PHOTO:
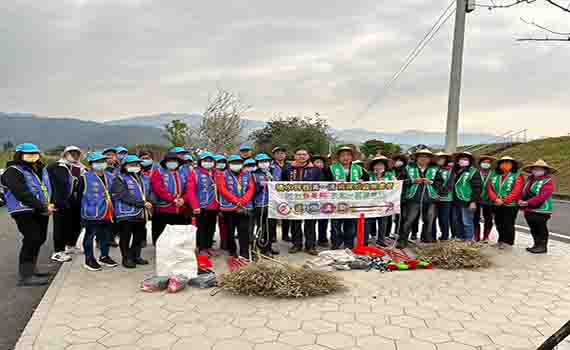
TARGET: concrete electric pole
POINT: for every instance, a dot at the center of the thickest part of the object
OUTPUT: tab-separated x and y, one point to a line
455	77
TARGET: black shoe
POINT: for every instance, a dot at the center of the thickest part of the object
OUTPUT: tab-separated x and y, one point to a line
144	244
324	244
312	251
92	265
42	274
381	244
538	250
295	250
529	249
274	251
287	239
141	261
335	247
414	237
129	264
107	261
113	244
33	281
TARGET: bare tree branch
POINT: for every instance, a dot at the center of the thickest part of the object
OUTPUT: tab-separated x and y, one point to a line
545	39
532	23
553	3
493	4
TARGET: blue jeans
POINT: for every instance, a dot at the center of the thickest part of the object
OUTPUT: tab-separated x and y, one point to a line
345	232
443	219
323	225
378	225
102	232
462	221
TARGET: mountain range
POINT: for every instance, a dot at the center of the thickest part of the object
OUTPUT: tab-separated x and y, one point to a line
53	131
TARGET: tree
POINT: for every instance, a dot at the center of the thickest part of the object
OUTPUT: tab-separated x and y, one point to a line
221	125
7	146
372	148
294	131
176	132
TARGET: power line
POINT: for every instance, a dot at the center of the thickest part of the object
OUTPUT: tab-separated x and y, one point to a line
443	18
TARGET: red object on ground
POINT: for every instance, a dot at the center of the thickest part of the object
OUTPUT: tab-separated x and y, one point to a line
412	264
204	263
360	231
237	263
360	249
397	257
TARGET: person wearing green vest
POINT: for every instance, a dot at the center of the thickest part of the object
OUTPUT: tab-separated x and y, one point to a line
378	170
398	164
504	192
484	208
443	203
345	171
466	183
422	186
538	204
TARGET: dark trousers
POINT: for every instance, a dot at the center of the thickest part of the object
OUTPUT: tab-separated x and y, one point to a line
505	219
286	230
378	225
159	222
101	231
537	223
443	220
33	228
298	231
412	212
206	222
345	233
242	223
484	210
263	229
323	225
135	230
66	228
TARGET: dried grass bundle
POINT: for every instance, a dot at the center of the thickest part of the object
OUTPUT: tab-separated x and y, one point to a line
453	255
279	280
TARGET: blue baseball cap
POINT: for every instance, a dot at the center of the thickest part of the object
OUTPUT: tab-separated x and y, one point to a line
179	150
249	162
109	150
121	149
235	158
95	157
188	158
28	148
244	147
131	158
220	158
261	157
204	155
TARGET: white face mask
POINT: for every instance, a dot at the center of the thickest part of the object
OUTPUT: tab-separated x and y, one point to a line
172	165
250	169
133	169
486	166
221	166
398	163
264	165
99	166
236	168
207	165
538	172
463	163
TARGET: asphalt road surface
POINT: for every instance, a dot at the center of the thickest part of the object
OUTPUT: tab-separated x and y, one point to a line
559	224
17	304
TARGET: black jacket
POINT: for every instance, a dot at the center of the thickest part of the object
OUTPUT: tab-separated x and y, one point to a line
64	185
14	181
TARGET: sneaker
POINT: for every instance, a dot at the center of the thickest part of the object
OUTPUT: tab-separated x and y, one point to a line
381	244
92	265
60	257
107	261
69	250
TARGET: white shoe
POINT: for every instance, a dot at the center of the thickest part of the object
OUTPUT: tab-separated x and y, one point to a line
61	257
72	250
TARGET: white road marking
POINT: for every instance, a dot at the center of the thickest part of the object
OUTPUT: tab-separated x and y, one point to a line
551	233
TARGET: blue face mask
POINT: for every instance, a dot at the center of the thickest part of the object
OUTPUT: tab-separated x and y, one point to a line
172	165
121	156
99	166
146	162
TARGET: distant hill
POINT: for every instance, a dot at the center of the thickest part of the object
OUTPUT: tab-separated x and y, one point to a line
357	136
50	132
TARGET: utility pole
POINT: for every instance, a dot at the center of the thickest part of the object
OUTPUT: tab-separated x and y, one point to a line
455	77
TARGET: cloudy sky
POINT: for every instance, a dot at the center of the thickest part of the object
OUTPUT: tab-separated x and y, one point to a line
109	59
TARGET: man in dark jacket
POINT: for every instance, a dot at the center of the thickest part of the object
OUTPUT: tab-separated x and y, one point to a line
302	170
466	182
64	177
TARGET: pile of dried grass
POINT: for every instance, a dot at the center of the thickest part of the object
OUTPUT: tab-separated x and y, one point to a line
279	280
453	255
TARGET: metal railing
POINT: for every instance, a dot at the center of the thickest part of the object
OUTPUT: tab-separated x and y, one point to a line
507	139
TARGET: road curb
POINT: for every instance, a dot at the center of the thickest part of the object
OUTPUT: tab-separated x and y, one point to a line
36	322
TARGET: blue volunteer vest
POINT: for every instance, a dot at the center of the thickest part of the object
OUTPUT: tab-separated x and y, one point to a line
169	181
232	185
139	190
40	188
205	188
96	196
261	198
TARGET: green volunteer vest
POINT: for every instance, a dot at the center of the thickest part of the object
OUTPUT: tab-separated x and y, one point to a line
390	173
485	182
413	173
546	207
463	188
503	189
388	176
339	174
445	174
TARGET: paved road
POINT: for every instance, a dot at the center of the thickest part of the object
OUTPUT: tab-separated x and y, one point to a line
560	222
16	304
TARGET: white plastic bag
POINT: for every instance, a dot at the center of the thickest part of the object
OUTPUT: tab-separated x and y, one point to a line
175	252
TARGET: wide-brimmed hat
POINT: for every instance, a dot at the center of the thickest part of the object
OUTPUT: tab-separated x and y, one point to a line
380	159
423	152
170	156
507	159
465	154
484	157
540	164
343	149
403	157
442	154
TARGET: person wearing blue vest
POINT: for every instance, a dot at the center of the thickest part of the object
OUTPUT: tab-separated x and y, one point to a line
202	196
147	163
112	160
132	203
265	231
97	211
221	162
168	184
28	198
122	153
279	154
237	189
245	152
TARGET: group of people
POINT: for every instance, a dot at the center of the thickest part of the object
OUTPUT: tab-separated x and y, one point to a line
114	193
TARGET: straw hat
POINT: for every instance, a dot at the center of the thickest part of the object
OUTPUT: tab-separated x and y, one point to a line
377	160
540	164
423	152
507	158
483	158
345	149
465	154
